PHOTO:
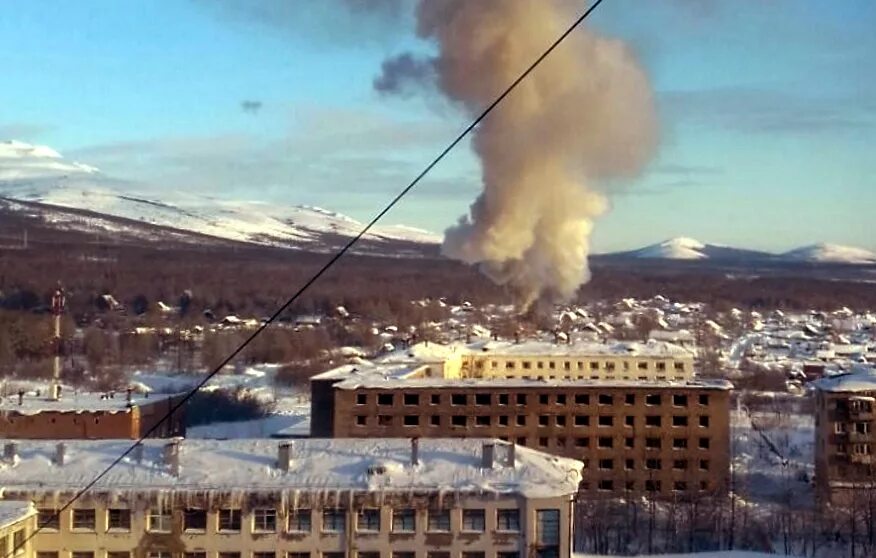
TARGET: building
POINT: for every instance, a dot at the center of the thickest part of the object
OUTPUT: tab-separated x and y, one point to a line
845	411
17	523
662	437
30	415
306	498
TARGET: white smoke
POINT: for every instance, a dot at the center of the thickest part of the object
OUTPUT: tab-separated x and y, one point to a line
553	150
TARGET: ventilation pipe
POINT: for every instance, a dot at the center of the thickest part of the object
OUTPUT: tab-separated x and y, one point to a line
60	454
512	455
284	456
488	456
10	452
415	452
21	397
171	456
137	453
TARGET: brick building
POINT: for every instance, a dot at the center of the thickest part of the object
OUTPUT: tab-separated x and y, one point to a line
845	418
303	499
89	416
669	438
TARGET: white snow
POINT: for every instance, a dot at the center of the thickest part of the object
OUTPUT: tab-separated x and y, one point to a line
13	511
73	402
317	464
831	253
679	248
862	379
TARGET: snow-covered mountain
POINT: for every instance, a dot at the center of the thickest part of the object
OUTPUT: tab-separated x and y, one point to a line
684	248
31	174
831	253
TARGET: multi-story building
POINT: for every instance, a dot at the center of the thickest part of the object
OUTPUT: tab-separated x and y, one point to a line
308	498
87	415
17	523
657	436
845	420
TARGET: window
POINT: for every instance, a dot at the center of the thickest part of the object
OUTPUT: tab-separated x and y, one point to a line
521	420
704	443
435	420
458	420
582	442
582	420
482	399
652	464
437	554
403	554
483	420
473	554
266	555
411	420
361	420
561	399
605	485
507	555
473	520
503	398
680	464
543	442
53	554
629	442
630	399
704	421
652	420
629	420
334	521
642	365
435	399
368	519
679	400
605	399
439	520
299	521
652	485
704	399
652	443
194	520
606	464
404	520
119	519
679	443
361	398
606	420
508	520
83	519
264	520
158	554
17	542
629	464
652	399
542	420
47	520
384	398
543	399
679	420
679	486
411	399
229	520
229	554
185	555
503	420
297	555
521	399
704	464
547	527
605	442
582	399
86	554
560	420
458	399
159	521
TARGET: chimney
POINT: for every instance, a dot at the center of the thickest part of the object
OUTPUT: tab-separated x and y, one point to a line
55	391
171	456
130	396
10	452
60	454
512	455
284	456
488	456
138	452
415	452
21	397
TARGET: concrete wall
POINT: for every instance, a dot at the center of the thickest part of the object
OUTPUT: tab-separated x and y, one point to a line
554	367
844	455
21	529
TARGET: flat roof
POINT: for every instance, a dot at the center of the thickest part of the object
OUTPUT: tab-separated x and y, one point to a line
376	381
13	511
583	349
77	402
860	380
316	465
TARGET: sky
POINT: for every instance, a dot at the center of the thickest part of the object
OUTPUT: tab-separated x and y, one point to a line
767	110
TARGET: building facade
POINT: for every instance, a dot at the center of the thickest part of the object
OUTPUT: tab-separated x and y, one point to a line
656	437
17	524
845	417
90	416
308	498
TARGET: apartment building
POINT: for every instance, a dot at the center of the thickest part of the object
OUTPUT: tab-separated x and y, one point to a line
657	437
17	523
378	498
845	417
87	415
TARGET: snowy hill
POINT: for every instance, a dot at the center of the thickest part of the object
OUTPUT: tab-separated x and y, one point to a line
831	253
685	248
39	175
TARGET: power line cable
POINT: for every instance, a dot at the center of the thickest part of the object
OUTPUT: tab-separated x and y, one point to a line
331	262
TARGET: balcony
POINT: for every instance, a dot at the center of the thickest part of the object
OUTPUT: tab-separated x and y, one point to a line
864	459
861	415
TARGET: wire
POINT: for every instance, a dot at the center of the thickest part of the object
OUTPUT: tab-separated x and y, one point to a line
331	262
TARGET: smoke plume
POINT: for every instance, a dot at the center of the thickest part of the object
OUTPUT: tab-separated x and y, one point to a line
553	150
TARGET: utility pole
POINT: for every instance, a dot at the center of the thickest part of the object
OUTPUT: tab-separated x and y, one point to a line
58	302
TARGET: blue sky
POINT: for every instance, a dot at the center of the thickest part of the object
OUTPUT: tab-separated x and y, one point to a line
767	110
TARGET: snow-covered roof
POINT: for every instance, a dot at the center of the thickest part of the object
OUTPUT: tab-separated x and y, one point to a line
73	402
13	511
583	349
862	379
316	465
377	381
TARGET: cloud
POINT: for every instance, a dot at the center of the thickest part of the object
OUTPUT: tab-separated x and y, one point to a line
687	170
22	131
250	106
762	111
405	74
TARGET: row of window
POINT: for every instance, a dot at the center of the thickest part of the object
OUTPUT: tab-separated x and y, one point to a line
650	485
608	365
487	399
266	520
651	421
649	464
359	554
18	538
608	442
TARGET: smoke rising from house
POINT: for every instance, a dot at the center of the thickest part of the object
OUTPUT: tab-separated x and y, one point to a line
553	151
